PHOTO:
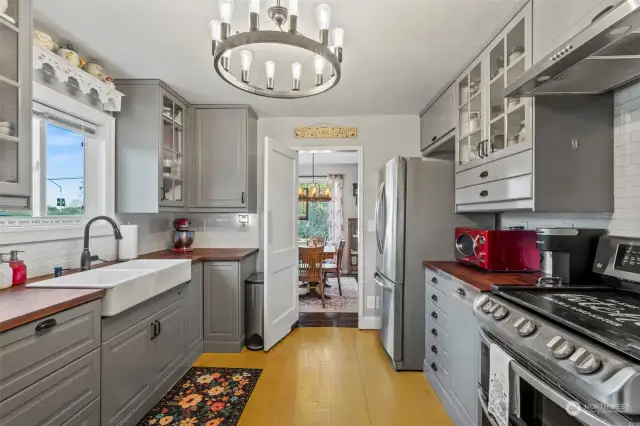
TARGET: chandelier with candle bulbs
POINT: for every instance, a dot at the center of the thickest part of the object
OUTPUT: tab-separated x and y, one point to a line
224	43
311	192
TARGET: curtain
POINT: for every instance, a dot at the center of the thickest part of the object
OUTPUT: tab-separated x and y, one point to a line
336	216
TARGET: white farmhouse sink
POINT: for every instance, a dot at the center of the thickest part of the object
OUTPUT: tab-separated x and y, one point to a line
126	284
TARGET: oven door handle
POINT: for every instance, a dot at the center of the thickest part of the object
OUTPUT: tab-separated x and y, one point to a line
586	417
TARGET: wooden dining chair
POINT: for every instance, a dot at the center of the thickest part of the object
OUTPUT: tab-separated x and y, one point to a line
333	265
310	269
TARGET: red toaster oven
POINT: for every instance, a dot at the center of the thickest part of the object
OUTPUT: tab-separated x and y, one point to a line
498	250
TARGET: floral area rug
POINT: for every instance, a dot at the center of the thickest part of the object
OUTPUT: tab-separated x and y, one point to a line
348	302
205	397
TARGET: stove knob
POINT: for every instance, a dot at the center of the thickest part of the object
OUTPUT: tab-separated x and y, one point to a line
500	313
560	348
525	327
480	301
487	307
585	362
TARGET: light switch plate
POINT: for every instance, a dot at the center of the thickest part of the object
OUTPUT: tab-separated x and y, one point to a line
371	302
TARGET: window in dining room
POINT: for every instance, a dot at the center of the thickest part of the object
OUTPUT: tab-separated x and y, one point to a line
313	217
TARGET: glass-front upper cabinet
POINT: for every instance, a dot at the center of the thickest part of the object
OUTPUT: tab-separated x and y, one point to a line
173	119
509	120
15	106
471	127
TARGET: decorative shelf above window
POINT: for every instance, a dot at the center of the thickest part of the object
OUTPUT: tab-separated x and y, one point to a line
63	71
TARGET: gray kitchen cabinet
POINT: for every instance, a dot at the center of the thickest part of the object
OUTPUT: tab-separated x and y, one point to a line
56	398
151	133
88	416
452	346
31	352
194	310
15	106
224	304
556	21
438	123
144	354
224	160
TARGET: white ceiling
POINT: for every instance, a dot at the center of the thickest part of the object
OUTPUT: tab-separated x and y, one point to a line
397	55
328	158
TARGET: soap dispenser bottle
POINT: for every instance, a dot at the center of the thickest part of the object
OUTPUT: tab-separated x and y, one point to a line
6	273
18	267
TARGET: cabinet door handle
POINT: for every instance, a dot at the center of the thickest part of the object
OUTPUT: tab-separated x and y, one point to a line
461	292
601	14
479	150
159	324
242	198
46	325
163	195
434	297
484	174
484	193
154	331
433	139
434	315
434	367
434	332
486	147
434	280
434	349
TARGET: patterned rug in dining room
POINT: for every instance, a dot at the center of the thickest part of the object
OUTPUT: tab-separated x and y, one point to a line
205	396
348	302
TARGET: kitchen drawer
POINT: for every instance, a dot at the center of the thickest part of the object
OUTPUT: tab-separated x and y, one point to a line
435	315
463	292
27	355
435	350
437	333
502	190
513	166
57	398
88	416
431	277
438	370
437	298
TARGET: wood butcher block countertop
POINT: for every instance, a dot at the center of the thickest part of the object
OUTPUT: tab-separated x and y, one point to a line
480	279
205	254
20	305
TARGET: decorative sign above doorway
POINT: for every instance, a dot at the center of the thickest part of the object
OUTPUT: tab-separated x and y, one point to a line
325	132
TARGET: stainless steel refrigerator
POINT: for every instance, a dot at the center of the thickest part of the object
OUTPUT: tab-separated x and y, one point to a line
415	221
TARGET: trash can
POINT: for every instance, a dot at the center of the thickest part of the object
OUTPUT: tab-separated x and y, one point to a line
254	312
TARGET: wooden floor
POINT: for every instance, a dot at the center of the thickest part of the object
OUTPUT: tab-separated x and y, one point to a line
332	377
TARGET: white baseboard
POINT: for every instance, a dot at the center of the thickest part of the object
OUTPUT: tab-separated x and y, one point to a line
369	323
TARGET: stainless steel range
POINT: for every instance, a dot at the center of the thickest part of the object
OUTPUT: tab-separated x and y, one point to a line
575	349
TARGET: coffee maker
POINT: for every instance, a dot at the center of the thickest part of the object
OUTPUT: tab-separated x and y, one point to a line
567	254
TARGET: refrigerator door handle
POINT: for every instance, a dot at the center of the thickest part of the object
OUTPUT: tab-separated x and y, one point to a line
377	216
383	285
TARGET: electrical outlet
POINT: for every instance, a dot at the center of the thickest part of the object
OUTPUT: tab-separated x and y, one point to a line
371	302
377	302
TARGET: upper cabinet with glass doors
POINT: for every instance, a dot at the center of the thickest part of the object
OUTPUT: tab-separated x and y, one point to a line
15	106
151	139
491	126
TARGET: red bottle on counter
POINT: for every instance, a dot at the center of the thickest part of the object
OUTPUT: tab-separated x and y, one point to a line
18	267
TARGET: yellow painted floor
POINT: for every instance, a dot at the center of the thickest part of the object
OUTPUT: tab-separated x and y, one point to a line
332	377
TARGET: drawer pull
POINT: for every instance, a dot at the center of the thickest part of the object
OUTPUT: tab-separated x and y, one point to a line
484	174
46	325
159	327
433	139
484	193
434	297
434	280
434	367
154	331
434	332
434	349
461	292
601	13
434	315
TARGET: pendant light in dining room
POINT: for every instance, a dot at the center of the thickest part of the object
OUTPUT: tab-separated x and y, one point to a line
312	192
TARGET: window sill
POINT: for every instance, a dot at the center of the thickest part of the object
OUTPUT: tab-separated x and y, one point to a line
23	230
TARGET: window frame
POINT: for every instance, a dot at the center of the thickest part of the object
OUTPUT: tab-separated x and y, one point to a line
99	185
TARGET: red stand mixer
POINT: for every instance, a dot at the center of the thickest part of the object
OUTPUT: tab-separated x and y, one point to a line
182	235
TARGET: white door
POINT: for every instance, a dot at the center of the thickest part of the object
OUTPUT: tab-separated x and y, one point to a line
280	241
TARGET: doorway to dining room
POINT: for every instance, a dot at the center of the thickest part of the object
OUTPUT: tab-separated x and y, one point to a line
328	237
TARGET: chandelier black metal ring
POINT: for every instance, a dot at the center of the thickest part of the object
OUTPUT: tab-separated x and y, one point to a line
223	44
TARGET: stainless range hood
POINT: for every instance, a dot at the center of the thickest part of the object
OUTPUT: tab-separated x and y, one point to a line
602	57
